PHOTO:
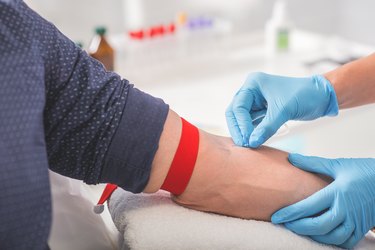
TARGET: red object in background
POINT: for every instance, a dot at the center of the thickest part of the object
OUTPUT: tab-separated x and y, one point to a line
138	34
156	31
152	32
172	28
161	30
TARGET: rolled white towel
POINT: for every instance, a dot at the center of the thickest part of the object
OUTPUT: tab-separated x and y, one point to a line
154	221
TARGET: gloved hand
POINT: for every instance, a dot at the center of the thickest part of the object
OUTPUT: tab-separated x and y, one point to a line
341	213
280	99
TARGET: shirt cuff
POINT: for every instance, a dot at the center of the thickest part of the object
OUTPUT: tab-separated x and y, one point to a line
133	147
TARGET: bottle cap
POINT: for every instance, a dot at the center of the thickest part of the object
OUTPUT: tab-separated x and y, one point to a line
279	10
101	30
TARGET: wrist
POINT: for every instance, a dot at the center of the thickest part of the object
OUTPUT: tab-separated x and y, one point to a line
333	79
328	87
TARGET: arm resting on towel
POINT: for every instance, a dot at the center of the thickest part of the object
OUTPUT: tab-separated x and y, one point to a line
231	180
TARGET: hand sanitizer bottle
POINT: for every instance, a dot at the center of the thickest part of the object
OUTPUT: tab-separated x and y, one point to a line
278	28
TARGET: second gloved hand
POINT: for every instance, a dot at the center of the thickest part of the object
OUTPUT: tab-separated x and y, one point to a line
341	213
280	99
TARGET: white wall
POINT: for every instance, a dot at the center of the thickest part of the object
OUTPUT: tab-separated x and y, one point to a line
348	18
357	20
78	18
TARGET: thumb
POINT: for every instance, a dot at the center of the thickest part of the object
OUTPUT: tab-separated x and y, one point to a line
267	128
313	164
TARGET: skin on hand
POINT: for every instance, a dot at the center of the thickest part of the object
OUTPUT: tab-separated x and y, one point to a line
245	183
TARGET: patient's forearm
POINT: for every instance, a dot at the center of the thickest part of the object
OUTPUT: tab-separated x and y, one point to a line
232	180
245	183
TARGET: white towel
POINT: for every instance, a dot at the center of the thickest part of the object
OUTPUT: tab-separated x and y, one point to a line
155	222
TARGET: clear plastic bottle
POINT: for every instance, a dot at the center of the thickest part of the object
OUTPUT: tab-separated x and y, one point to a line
101	50
278	29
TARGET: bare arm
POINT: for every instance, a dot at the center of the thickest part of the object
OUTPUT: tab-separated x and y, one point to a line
232	180
354	83
245	183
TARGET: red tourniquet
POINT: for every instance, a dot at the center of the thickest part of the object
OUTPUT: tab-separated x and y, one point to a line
181	168
184	160
108	190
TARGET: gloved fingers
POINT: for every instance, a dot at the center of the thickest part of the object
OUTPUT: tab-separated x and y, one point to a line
267	128
319	225
258	116
313	164
352	241
241	106
234	129
310	206
337	236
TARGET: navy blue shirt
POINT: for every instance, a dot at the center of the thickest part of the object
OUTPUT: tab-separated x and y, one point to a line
60	109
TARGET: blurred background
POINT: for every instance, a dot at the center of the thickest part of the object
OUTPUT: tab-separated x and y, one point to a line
204	32
347	18
180	43
195	55
157	42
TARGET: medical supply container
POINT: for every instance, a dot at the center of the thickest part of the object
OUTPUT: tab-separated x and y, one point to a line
101	50
278	29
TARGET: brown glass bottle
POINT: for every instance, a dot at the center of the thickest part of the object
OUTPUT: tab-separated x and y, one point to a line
101	50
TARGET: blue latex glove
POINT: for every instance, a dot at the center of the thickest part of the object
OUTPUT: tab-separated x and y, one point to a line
280	99
339	214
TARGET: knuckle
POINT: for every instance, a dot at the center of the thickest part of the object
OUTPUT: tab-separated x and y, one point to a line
238	107
317	227
348	228
228	111
341	238
350	243
347	231
337	215
255	77
257	74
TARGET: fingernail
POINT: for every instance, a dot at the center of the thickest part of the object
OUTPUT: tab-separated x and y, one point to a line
238	142
293	157
245	140
277	218
254	143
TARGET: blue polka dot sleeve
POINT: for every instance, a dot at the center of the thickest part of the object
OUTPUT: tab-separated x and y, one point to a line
98	127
